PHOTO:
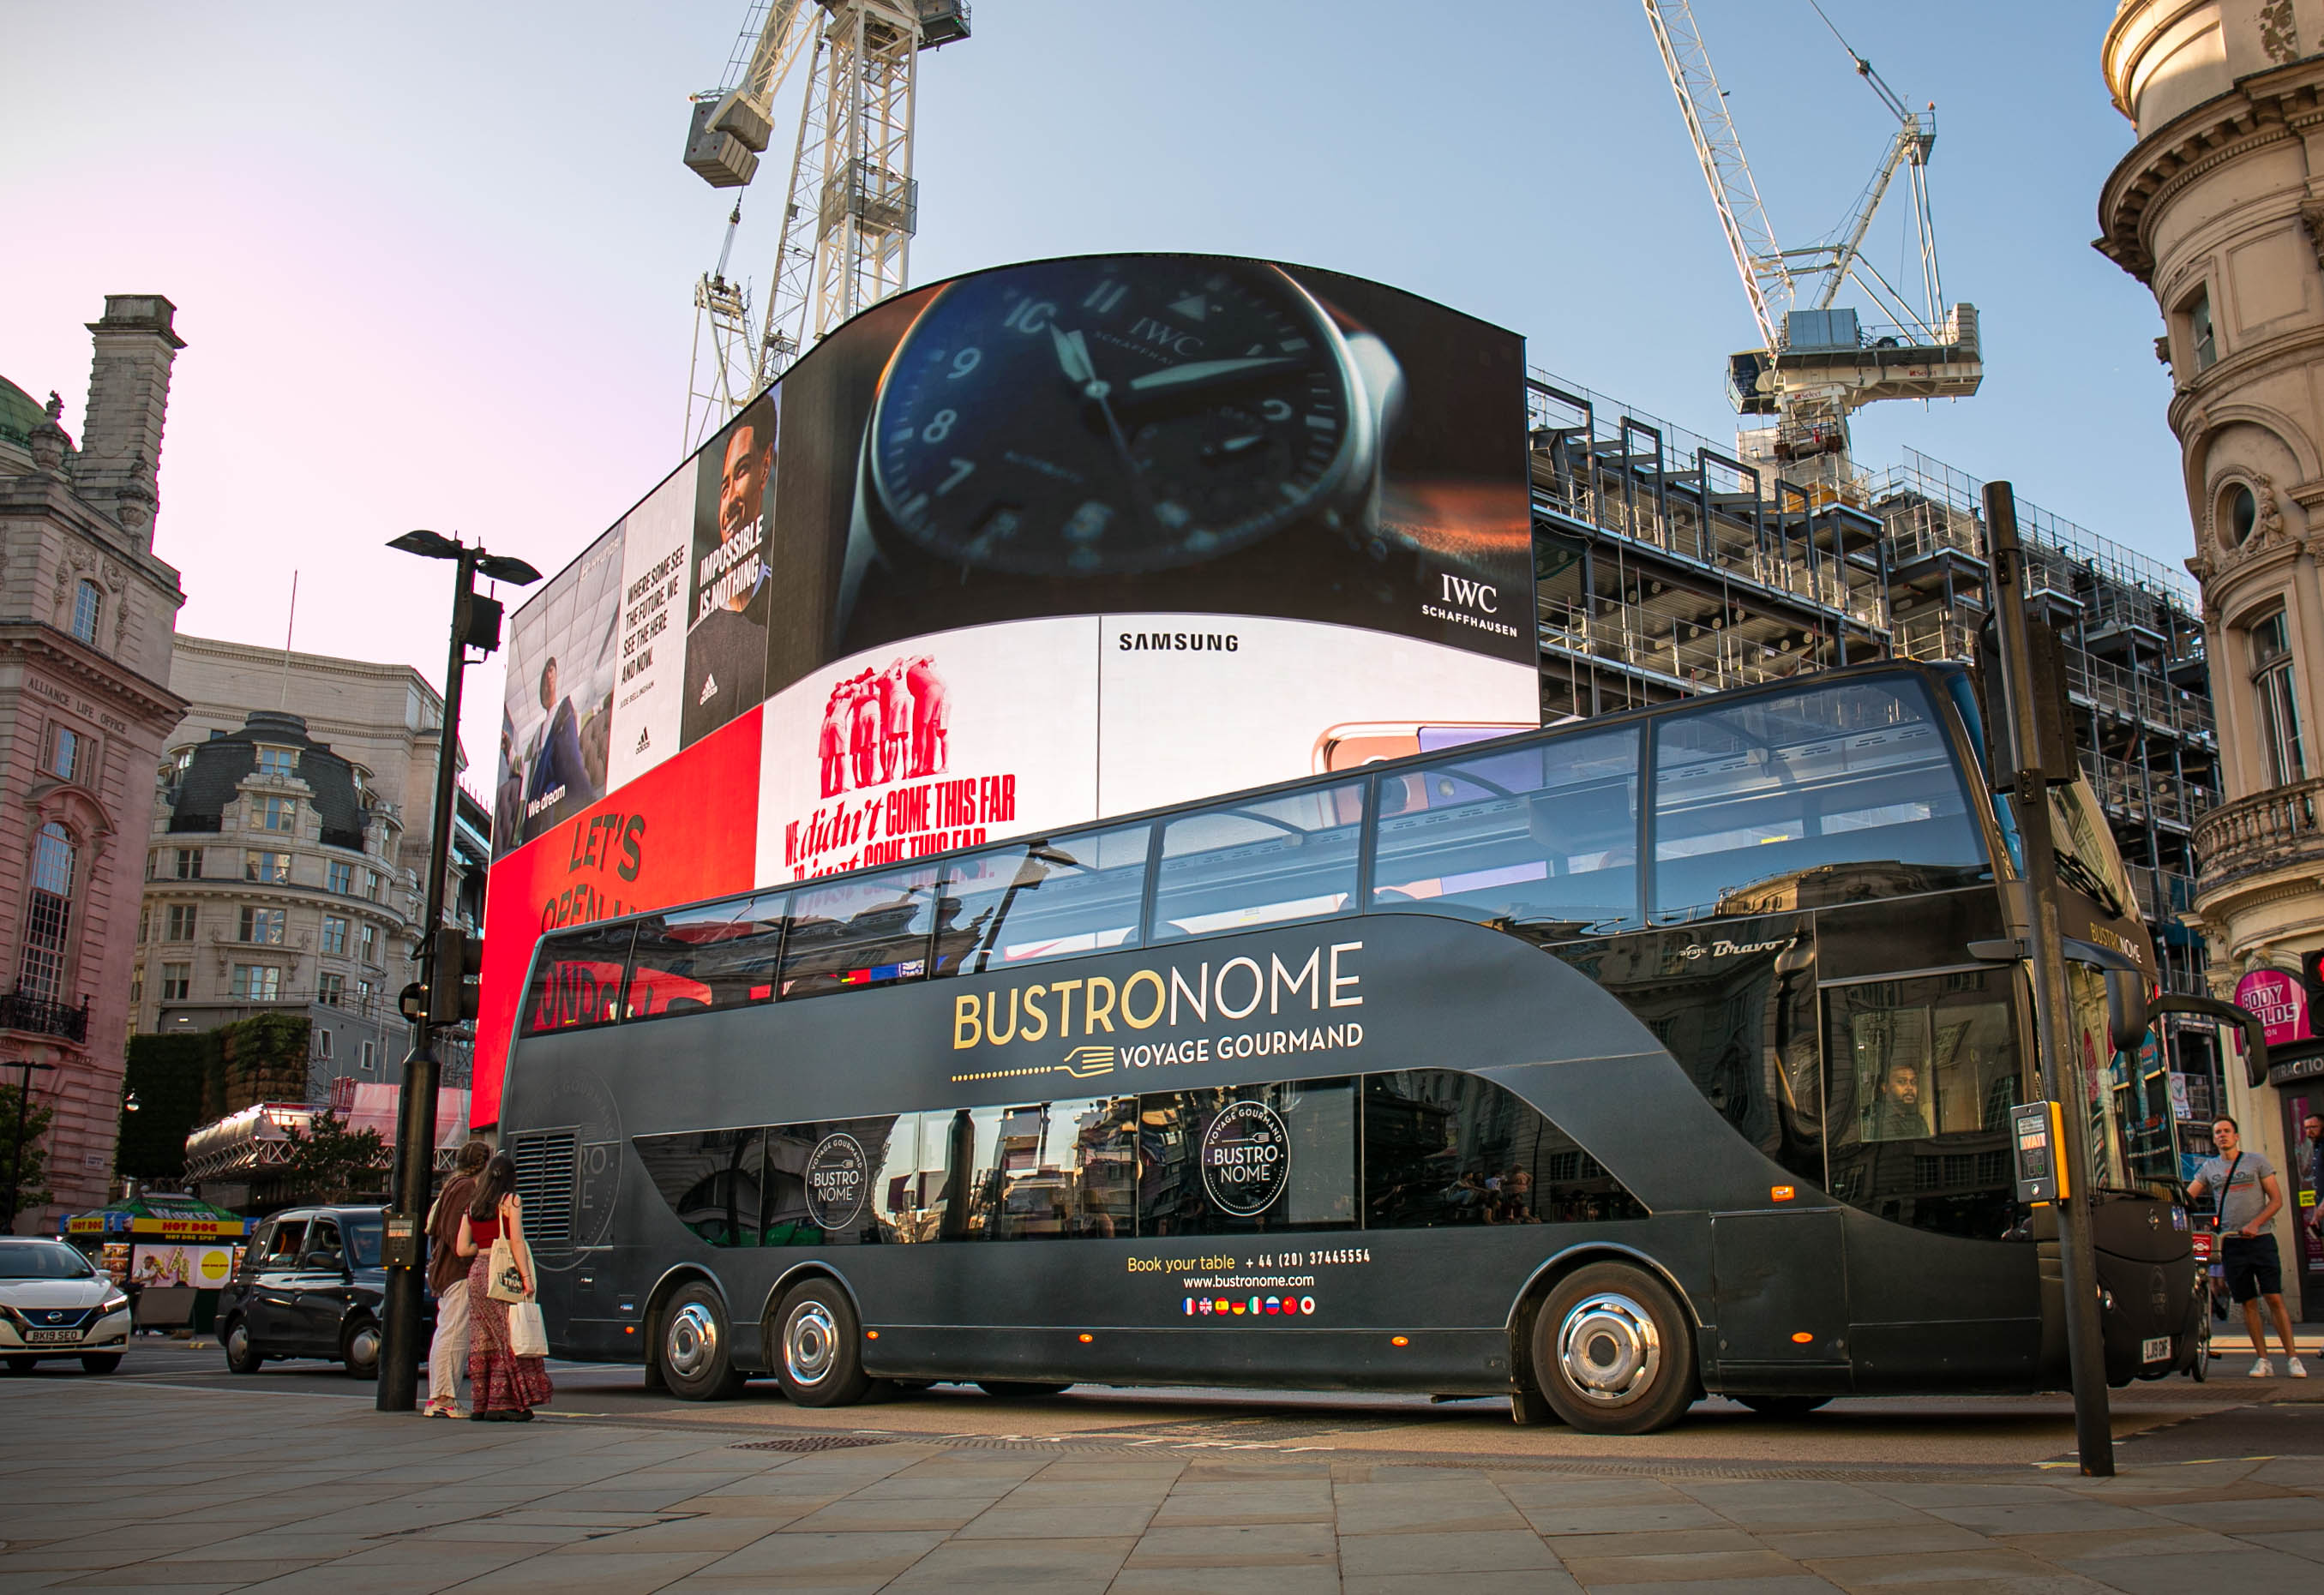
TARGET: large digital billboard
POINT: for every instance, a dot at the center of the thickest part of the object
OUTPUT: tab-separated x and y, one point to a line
1016	551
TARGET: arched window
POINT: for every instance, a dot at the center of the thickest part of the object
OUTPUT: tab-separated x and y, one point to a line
2279	706
89	604
48	919
2239	513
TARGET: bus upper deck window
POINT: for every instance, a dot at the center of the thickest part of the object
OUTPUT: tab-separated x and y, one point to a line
713	956
1264	862
867	930
1544	837
1052	898
1834	794
577	978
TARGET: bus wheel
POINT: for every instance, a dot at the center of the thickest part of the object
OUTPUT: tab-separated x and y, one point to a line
1781	1406
816	1341
1612	1352
697	1361
1020	1389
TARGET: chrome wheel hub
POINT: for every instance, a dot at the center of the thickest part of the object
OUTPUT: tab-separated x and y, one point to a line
810	1344
237	1343
362	1346
690	1348
1608	1348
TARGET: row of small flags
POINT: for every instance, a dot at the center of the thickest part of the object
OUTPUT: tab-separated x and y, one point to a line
1256	1306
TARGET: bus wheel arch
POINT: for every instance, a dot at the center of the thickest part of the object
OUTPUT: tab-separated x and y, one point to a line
689	1336
1649	1313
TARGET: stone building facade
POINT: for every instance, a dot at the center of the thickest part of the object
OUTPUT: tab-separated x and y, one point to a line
288	845
2219	209
87	617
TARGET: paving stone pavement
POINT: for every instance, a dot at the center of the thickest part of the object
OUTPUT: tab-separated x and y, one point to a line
122	1488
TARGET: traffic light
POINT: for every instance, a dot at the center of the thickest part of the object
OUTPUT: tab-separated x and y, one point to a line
455	977
477	619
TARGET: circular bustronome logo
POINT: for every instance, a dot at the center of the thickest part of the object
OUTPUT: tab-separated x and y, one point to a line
1246	1159
837	1172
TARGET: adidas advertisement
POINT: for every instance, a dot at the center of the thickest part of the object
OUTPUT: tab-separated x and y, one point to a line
656	547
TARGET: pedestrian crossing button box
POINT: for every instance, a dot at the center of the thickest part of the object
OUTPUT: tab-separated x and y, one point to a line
2037	1142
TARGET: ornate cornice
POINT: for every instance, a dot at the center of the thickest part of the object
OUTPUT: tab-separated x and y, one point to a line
2265	108
62	653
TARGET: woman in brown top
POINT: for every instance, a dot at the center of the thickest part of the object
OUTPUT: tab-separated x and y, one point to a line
503	1386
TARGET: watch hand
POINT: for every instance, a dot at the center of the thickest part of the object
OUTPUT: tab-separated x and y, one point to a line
1199	371
1073	356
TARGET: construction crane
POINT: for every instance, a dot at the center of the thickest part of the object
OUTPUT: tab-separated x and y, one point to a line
852	204
1817	364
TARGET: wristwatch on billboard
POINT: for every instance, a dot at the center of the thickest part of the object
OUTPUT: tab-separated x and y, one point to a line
1117	416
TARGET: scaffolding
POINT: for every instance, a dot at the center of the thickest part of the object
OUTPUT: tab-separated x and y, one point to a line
1667	566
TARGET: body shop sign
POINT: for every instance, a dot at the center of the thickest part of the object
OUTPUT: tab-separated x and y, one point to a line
2276	998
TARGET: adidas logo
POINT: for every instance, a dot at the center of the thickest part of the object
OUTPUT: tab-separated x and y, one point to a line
645	737
709	689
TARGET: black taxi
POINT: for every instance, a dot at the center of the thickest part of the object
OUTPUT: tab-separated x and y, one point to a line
311	1284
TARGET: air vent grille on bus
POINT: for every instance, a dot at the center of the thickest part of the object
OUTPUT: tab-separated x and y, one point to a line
544	1184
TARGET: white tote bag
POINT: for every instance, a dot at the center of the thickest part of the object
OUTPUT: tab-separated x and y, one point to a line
527	1331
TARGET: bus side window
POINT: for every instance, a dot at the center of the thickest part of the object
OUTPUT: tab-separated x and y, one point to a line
1835	794
1267	861
1198	1146
1069	895
710	1180
1544	837
1043	1171
1924	1072
717	955
576	979
1442	1148
868	930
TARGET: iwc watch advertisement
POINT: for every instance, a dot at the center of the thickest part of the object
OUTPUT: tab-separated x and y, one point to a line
1189	433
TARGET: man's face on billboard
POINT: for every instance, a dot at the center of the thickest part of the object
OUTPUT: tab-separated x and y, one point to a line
742	482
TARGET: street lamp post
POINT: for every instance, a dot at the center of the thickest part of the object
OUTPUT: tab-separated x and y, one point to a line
476	623
24	1067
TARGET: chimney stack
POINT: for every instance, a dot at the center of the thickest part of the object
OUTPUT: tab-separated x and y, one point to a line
128	394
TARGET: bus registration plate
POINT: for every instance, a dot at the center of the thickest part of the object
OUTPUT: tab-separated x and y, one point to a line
2156	1350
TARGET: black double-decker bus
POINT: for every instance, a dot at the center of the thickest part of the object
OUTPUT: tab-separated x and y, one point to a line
1665	1054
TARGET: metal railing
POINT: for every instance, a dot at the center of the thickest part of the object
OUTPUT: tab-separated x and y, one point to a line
2147	794
2142	697
43	1016
2268	830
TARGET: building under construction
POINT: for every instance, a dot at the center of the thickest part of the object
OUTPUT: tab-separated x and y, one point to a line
1667	567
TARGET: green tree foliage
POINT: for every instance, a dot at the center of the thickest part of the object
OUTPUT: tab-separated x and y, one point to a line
26	1165
330	1163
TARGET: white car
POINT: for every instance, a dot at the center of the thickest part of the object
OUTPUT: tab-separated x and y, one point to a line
54	1304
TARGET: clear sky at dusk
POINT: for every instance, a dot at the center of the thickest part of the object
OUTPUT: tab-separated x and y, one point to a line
433	261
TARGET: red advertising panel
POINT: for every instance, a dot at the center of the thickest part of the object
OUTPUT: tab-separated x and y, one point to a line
684	830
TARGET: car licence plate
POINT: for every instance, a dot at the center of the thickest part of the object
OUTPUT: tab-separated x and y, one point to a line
2157	1349
52	1337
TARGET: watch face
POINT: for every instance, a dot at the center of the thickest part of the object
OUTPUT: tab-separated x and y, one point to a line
1106	417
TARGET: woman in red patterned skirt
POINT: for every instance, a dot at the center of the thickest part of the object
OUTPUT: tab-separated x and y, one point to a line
505	1387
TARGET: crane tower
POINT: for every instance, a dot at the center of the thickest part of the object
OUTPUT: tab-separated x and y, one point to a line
852	204
1816	362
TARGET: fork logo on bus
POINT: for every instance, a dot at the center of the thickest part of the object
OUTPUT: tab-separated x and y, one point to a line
1239	989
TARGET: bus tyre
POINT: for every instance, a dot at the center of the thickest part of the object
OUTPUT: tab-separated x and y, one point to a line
697	1351
1612	1351
817	1343
1020	1389
1781	1406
